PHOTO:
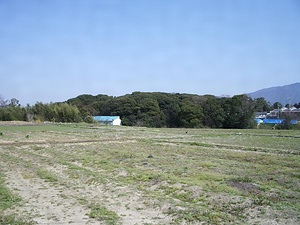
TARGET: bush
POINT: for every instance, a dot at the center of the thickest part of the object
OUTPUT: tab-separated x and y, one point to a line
89	119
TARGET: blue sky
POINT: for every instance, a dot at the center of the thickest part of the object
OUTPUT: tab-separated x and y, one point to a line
53	50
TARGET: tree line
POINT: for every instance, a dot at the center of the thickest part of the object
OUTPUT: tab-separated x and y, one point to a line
150	109
11	110
156	109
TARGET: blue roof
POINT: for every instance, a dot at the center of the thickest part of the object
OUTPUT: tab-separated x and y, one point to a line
105	118
278	121
273	121
293	122
258	121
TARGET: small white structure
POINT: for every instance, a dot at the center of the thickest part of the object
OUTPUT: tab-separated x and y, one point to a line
108	120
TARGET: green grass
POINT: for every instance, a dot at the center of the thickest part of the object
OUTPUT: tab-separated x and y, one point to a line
46	175
101	213
7	199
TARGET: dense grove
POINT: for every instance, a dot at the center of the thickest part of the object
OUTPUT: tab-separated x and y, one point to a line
145	109
53	112
170	110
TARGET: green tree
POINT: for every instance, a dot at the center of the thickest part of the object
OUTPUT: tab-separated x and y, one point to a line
14	102
12	110
149	113
56	112
286	125
127	108
190	115
169	107
297	105
261	105
214	115
239	112
277	105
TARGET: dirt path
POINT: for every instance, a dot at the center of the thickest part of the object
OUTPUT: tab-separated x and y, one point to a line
43	202
47	204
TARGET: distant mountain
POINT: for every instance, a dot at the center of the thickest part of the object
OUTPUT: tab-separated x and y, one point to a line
282	94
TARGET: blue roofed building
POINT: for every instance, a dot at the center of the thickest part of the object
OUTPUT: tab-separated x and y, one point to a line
108	120
277	116
273	121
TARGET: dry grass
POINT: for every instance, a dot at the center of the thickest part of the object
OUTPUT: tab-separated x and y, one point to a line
155	176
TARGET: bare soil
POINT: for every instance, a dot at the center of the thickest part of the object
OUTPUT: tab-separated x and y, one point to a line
67	201
149	176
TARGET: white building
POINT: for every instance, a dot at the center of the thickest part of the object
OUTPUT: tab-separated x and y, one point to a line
108	120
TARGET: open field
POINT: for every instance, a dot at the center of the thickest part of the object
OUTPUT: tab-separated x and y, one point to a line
89	174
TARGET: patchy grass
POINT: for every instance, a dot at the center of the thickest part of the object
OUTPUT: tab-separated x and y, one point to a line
12	220
46	175
203	176
8	200
101	213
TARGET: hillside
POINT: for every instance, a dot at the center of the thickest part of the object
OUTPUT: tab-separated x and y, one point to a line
158	109
280	94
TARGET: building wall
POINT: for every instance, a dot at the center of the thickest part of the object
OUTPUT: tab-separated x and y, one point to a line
117	122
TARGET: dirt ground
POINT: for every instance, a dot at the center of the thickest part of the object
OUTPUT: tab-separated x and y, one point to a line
59	203
148	176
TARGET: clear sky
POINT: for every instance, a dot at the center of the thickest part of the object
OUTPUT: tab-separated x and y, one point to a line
52	50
